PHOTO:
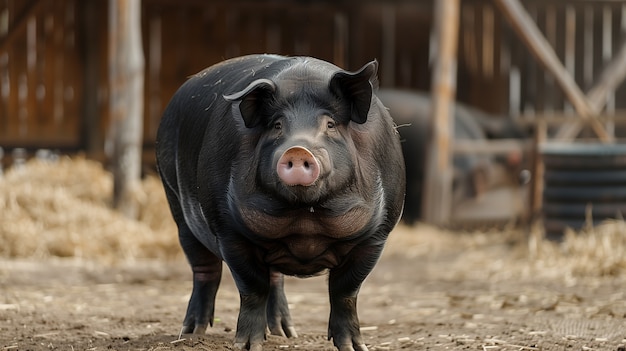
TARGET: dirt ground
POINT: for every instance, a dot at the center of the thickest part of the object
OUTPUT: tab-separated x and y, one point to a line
479	293
76	275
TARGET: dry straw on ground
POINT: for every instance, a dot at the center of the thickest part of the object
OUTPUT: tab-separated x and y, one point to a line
62	209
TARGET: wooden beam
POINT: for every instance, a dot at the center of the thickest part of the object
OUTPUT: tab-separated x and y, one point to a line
439	172
527	30
558	118
126	80
490	147
19	24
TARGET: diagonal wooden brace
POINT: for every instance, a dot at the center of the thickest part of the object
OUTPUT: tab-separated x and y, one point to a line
611	77
18	25
527	30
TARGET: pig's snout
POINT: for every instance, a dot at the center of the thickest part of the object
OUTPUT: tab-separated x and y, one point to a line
298	166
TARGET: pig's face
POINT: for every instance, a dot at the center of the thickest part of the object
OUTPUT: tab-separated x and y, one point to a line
303	123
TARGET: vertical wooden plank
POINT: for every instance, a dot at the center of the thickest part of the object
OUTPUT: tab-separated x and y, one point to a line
4	72
607	54
515	91
388	58
340	39
477	30
531	103
11	58
438	182
273	35
536	194
620	91
588	47
469	42
126	80
153	78
413	25
71	87
92	139
548	83
487	42
21	62
46	62
320	32
58	110
35	122
570	46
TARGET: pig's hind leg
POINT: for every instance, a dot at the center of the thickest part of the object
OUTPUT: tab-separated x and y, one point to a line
278	316
206	268
207	273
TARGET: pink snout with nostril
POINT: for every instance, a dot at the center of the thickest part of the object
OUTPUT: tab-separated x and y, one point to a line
298	166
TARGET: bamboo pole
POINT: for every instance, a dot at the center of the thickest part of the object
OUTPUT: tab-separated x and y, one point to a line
437	202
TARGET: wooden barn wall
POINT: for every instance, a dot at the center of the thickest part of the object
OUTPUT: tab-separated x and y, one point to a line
498	73
53	69
53	72
182	40
40	88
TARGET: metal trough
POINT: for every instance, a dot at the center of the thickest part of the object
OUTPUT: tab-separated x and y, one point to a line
584	184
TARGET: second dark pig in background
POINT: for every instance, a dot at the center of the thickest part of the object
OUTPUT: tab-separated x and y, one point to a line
473	174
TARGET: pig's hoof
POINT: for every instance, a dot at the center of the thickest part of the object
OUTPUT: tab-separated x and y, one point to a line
348	347
193	329
289	331
253	347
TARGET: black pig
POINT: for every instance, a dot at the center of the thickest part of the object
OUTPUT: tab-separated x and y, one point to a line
276	166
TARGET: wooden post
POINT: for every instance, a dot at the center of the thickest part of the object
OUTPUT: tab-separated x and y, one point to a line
538	168
126	79
437	202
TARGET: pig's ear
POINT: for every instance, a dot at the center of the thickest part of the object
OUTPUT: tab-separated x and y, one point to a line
357	89
246	103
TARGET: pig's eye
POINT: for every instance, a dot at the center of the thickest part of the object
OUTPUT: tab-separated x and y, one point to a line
278	125
330	125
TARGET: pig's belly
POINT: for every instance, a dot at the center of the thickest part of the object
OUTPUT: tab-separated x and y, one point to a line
304	255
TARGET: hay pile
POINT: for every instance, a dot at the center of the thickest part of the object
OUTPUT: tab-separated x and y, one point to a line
62	209
596	251
514	254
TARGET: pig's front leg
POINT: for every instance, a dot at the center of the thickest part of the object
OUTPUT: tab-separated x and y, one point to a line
278	316
252	280
344	283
